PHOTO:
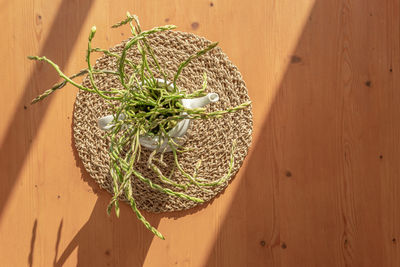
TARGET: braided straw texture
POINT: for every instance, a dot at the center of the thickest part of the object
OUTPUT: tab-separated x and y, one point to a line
209	140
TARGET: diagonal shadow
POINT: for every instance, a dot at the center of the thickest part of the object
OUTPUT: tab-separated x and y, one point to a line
250	234
68	21
295	206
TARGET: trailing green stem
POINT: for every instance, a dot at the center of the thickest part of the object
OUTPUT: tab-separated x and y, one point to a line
142	106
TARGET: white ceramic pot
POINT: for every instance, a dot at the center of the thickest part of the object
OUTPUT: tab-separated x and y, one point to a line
105	123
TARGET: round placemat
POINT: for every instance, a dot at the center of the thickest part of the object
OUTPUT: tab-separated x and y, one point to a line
209	140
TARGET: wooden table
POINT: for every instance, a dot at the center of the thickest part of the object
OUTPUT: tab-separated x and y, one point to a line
320	186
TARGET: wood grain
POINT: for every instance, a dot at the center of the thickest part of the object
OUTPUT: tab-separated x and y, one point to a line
320	186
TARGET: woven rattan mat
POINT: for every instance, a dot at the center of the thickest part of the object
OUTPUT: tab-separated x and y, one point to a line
210	140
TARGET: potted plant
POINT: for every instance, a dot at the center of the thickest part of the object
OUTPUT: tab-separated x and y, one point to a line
147	110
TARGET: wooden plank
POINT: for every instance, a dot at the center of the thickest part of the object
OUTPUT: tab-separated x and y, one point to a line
319	187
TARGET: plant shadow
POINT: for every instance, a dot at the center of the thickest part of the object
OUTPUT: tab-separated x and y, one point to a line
107	240
33	239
